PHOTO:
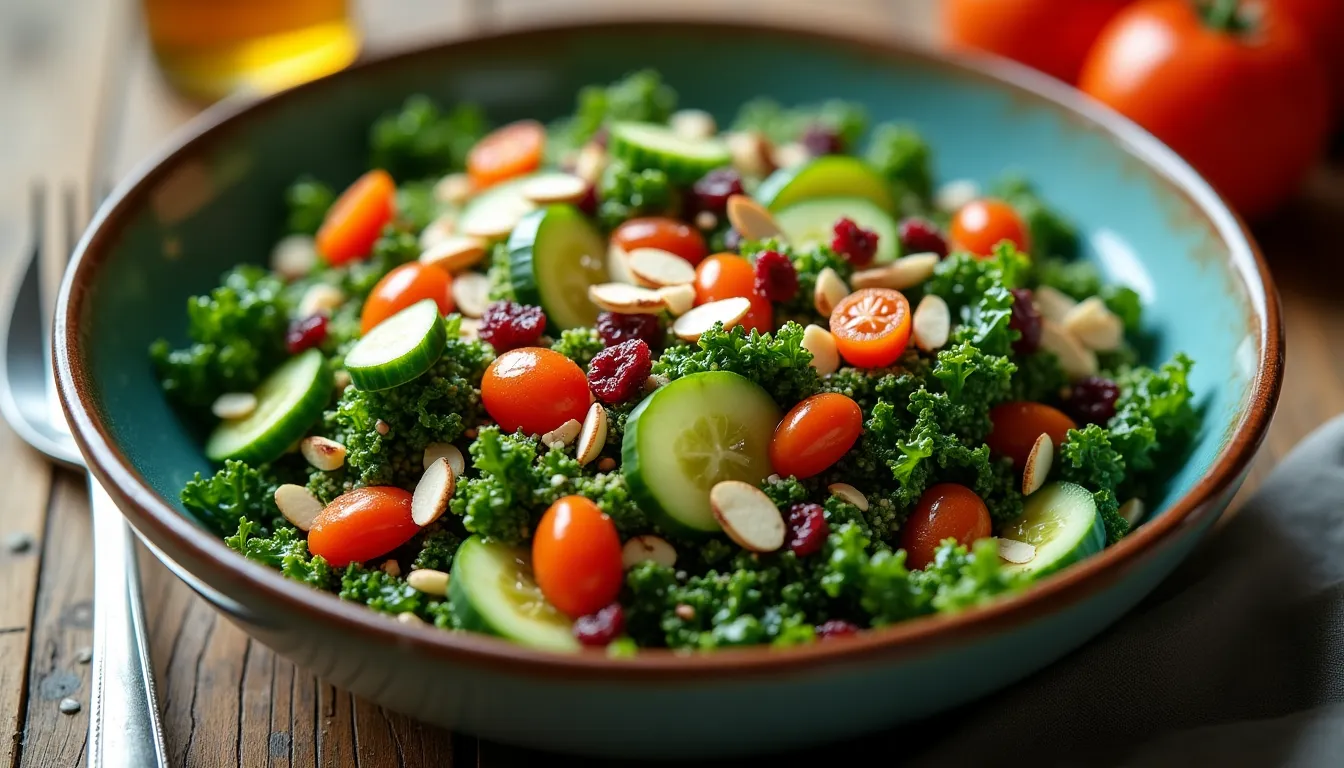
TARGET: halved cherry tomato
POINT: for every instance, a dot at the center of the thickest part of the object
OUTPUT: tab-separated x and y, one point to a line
512	150
534	389
871	327
576	557
982	224
357	218
1017	28
403	287
361	525
665	234
1017	426
815	434
729	276
945	511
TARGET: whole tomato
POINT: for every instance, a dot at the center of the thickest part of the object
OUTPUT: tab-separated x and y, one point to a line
1053	36
1243	99
1322	22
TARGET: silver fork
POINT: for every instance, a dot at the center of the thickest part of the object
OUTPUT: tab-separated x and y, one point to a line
124	726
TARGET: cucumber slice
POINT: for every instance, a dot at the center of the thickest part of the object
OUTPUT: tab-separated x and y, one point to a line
491	590
1061	520
649	145
810	223
554	255
826	176
691	434
398	349
289	401
503	199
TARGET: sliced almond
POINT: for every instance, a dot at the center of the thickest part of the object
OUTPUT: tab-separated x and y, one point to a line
593	435
453	189
497	222
694	124
321	453
432	493
849	494
341	379
471	293
678	299
320	299
562	435
829	291
455	253
1039	461
955	195
654	382
747	515
407	617
391	568
625	299
656	268
1077	360
1016	552
232	406
1053	304
294	256
825	354
753	155
1133	511
1095	325
692	325
429	581
932	323
555	188
706	220
298	504
648	548
590	163
448	451
470	328
751	220
617	269
901	274
791	155
438	230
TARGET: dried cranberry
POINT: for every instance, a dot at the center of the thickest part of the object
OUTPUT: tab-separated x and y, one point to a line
602	627
856	244
614	329
836	628
306	333
922	236
1026	320
617	373
821	140
1092	400
807	529
732	240
588	203
507	325
714	188
776	279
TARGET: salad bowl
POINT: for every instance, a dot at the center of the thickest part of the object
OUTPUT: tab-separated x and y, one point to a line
208	201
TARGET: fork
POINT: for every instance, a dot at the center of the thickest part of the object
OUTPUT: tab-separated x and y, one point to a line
124	725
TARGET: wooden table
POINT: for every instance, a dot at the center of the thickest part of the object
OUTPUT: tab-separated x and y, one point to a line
82	103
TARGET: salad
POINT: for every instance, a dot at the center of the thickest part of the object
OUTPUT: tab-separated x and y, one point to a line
628	380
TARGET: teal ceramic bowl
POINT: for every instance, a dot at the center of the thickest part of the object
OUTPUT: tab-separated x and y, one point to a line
214	198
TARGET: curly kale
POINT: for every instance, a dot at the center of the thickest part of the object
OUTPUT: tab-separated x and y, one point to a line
219	502
1088	459
962	279
579	344
499	273
899	153
420	141
974	382
808	263
438	546
416	205
640	96
848	119
777	362
307	200
1077	279
1155	414
1051	233
1039	378
285	548
328	485
625	193
895	384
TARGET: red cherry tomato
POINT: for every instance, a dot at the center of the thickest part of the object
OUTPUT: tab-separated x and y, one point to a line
945	511
761	316
534	389
1017	426
983	224
871	327
357	218
506	152
403	287
361	525
815	434
665	234
728	276
1017	29
576	557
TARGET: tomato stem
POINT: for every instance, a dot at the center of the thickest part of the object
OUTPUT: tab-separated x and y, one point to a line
1224	16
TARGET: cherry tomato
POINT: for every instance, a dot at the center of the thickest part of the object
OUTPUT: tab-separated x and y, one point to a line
665	234
403	287
1211	90
512	150
815	434
871	327
1322	22
761	316
576	557
983	224
361	525
357	218
535	389
1017	425
945	511
727	276
1050	35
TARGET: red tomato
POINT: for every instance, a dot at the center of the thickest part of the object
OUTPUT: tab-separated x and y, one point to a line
357	218
1051	35
576	557
361	525
871	327
728	276
513	150
945	511
665	234
534	389
761	316
403	287
1247	108
983	224
815	434
1322	22
1017	425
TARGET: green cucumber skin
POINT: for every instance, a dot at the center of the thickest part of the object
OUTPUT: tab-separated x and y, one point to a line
859	209
522	246
404	369
274	442
1092	542
679	170
466	613
788	186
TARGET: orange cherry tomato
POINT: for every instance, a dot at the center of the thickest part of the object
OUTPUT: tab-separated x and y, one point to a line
357	218
534	389
576	557
361	525
1211	90
815	434
728	276
403	287
1322	22
512	150
871	327
945	511
1017	425
1020	29
665	234
983	224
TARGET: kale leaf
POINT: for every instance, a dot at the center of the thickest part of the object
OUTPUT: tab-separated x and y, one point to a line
421	141
777	362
